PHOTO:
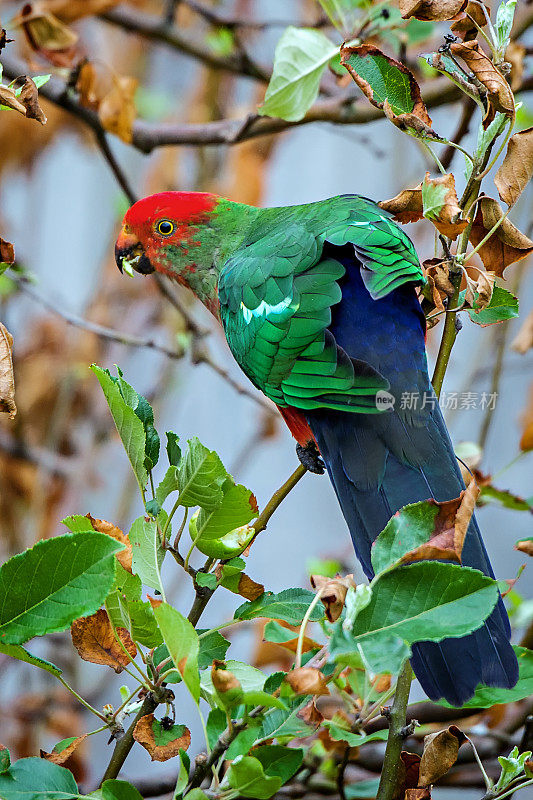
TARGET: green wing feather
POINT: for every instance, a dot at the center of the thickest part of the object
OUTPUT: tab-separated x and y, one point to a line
276	294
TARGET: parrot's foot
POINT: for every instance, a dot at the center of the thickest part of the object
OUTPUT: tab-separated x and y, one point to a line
310	458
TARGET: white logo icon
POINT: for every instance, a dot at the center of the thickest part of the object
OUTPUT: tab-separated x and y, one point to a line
385	400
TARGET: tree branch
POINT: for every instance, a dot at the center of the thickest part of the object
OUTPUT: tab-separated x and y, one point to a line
124	745
157	30
389	775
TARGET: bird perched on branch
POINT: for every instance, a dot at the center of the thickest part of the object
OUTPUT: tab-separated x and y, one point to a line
319	308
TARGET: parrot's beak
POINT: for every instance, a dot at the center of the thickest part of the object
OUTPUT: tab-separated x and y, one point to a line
130	255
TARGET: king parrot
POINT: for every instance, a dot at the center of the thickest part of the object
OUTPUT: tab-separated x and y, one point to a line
319	306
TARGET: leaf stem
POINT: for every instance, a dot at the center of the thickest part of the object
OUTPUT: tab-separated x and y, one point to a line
303	626
87	705
389	774
169	518
487	237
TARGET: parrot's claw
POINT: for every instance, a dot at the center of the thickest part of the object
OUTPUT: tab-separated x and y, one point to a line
309	456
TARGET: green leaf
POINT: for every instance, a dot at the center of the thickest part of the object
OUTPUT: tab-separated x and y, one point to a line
77	523
161	654
195	794
20	653
55	582
5	759
260	698
512	767
278	724
406	530
129	426
488	696
278	761
119	790
147	553
250	678
238	507
244	740
503	305
290	605
343	14
201	475
213	645
168	484
173	449
247	777
274	632
300	59
126	589
183	772
216	725
144	628
505	498
206	579
384	78
183	645
422	601
339	734
504	23
37	779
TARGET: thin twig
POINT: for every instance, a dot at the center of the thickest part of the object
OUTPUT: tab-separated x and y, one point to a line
124	745
389	775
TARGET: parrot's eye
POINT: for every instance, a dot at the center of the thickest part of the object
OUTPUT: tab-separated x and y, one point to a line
165	227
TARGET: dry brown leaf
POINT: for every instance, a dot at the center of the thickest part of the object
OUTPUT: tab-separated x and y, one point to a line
332	593
7	378
46	34
8	98
29	97
516	169
418	118
71	10
526	440
515	55
506	245
161	738
433	10
408	772
448	219
311	715
88	86
307	680
117	109
525	546
499	92
63	755
482	288
7	252
439	285
449	528
440	754
523	341
249	588
125	556
94	640
406	206
463	27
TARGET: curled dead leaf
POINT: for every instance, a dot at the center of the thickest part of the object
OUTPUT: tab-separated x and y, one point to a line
311	715
406	206
307	680
418	117
516	169
506	245
523	341
223	679
71	10
94	640
60	756
408	122
7	378
441	206
526	440
46	34
29	98
463	26
7	252
525	546
332	593
161	738
439	286
515	56
440	754
9	98
117	110
499	92
125	556
449	528
432	10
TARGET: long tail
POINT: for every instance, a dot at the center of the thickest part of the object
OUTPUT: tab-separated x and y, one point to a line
372	482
